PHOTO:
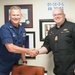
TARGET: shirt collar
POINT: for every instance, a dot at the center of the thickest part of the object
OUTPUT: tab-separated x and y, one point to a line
11	26
61	25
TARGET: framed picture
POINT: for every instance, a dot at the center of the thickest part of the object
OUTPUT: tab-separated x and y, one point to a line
29	42
27	15
45	25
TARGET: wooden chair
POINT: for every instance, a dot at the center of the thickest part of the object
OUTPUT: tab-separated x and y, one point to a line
27	70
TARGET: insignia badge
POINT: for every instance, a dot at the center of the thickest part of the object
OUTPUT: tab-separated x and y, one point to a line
14	35
24	34
56	38
65	29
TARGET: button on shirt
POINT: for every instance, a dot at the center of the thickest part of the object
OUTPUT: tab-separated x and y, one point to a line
10	34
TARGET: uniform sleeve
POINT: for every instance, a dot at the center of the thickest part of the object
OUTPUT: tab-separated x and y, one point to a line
47	43
5	35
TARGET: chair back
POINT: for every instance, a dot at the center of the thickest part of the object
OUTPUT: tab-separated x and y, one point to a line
27	70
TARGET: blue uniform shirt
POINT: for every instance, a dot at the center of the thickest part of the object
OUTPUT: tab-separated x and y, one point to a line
10	34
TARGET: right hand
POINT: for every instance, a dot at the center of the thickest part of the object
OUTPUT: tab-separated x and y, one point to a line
33	53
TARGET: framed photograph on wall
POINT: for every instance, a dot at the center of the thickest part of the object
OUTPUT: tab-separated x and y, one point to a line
45	25
29	42
27	14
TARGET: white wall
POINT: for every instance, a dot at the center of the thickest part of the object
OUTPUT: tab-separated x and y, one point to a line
40	11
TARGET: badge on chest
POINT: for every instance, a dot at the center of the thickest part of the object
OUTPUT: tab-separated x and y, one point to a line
56	38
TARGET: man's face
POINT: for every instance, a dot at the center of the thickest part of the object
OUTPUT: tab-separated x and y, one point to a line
15	16
58	16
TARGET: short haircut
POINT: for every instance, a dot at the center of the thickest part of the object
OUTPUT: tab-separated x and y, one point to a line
15	7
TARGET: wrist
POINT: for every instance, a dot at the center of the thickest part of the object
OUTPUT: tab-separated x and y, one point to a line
38	51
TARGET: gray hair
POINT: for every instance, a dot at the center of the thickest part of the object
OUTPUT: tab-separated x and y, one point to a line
59	9
15	7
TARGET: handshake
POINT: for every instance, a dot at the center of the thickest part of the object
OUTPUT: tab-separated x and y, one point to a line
33	52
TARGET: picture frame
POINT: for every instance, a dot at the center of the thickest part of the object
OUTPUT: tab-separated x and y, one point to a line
27	14
45	25
30	42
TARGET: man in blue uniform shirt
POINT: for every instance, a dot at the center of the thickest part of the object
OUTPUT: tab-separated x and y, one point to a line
12	37
61	41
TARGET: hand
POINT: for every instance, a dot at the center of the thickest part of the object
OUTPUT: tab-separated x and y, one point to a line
24	64
34	53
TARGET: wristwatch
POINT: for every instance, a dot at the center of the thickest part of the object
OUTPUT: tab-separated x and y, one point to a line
25	62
